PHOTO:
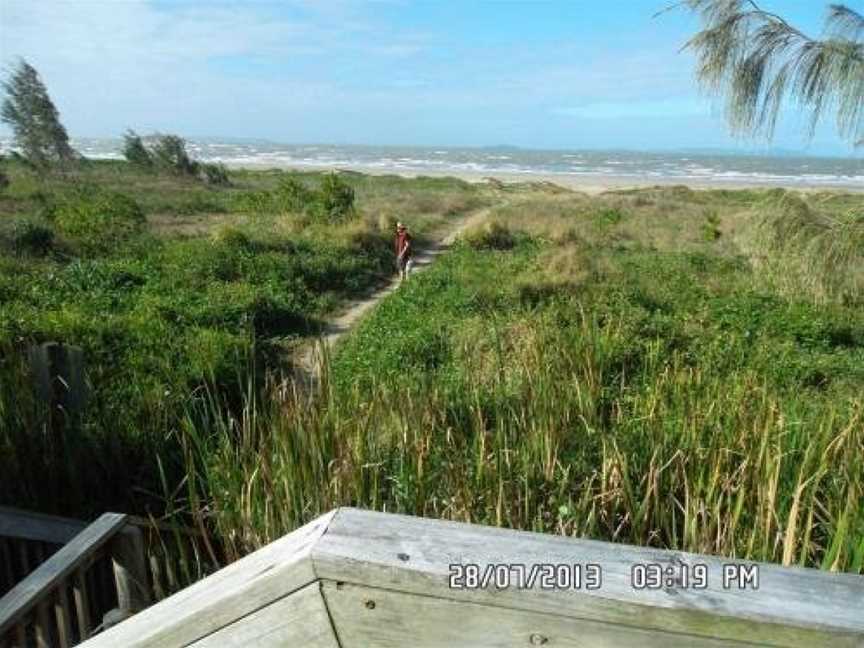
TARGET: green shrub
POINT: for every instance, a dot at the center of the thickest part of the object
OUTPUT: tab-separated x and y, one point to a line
97	219
31	237
290	196
252	202
293	196
492	235
332	202
215	174
711	227
232	237
611	216
335	199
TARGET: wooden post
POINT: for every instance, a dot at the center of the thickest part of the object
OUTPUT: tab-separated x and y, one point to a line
62	616
58	377
43	626
82	604
130	570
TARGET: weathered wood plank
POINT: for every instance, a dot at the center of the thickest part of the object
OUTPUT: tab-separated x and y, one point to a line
237	590
170	574
299	619
792	607
63	618
27	525
43	626
58	376
82	604
405	562
130	570
156	577
33	589
366	616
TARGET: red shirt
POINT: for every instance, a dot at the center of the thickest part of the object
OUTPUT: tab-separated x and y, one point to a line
403	242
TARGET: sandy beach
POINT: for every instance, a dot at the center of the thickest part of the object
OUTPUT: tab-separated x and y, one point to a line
586	183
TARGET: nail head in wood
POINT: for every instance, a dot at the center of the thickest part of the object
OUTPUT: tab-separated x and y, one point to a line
538	640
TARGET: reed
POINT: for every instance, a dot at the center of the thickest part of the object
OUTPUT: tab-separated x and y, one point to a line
572	415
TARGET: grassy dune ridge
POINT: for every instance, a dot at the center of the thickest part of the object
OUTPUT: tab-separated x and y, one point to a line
607	367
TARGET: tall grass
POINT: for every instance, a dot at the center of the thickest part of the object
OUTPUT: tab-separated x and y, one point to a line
805	253
690	459
604	413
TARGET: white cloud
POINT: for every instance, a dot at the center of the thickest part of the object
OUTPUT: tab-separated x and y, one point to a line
110	64
672	107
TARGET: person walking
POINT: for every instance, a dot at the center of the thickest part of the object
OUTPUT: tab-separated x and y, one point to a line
404	251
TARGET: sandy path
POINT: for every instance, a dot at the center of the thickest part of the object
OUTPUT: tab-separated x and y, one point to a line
308	364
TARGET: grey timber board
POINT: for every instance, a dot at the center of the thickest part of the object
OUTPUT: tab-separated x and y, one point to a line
219	600
299	619
405	562
366	617
791	607
27	525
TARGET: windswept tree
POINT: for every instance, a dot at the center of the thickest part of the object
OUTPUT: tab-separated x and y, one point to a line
34	119
169	154
757	61
134	150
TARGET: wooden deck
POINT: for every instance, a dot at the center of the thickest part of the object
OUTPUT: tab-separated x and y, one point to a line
361	579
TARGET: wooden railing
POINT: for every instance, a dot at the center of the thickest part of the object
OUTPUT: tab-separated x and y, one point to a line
27	540
176	556
54	605
88	576
362	579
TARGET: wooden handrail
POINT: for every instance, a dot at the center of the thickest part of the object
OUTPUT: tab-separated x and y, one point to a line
362	578
27	525
29	593
86	577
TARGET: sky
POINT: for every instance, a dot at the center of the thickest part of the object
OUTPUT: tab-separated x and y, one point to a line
538	74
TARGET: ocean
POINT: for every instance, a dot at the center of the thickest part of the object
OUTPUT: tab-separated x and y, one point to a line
684	167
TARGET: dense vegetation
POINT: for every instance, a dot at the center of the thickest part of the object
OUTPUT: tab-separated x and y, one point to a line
170	285
663	366
611	367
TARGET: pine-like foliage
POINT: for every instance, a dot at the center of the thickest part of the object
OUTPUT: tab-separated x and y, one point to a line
34	119
757	61
134	150
169	154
